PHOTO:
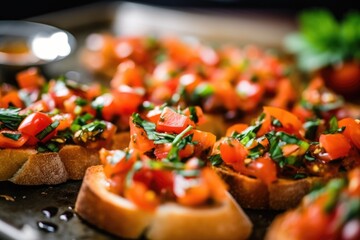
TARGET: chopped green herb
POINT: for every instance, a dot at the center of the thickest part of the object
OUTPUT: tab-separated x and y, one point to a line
215	160
41	135
10	118
13	136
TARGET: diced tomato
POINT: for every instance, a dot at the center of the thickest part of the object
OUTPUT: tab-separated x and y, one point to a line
163	182
265	126
142	197
302	113
193	195
33	124
172	122
216	185
289	121
250	93
30	78
336	145
352	130
59	92
189	81
199	115
8	142
127	99
11	99
285	94
204	141
234	153
154	114
236	128
139	139
354	182
162	150
127	74
264	169
116	162
65	120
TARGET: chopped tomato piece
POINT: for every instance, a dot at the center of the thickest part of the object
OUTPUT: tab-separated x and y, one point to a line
139	139
142	197
127	73
30	78
172	122
12	139
216	185
264	169
234	153
199	118
352	130
336	145
11	99
236	128
193	195
204	141
162	150
65	120
35	123
289	121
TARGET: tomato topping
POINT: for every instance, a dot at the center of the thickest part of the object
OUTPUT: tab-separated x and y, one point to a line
172	122
192	195
11	99
336	145
141	196
236	128
264	169
65	120
34	124
234	154
289	121
352	130
127	73
30	78
139	139
12	139
216	185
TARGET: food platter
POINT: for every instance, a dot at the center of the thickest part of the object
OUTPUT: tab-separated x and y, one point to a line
48	211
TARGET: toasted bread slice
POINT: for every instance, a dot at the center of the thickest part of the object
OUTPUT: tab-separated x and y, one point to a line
77	159
253	193
11	160
44	168
114	214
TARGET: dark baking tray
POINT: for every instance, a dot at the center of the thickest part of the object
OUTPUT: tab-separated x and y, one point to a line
23	205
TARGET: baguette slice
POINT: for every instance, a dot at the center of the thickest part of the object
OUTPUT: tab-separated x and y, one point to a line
29	167
253	193
43	168
277	231
114	214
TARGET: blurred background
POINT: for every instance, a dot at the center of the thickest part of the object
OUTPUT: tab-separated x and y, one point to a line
24	9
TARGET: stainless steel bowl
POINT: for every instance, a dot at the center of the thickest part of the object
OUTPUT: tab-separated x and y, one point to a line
26	44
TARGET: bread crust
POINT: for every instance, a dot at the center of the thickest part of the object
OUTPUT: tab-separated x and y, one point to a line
112	213
254	194
44	168
26	166
77	159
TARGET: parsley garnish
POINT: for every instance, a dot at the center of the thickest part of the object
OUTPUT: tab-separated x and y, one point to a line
13	136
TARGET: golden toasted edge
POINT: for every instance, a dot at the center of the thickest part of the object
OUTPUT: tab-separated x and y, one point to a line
11	160
77	159
109	212
39	169
254	194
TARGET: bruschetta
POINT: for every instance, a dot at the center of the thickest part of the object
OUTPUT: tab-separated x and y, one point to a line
275	161
133	196
49	132
228	80
331	212
159	186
